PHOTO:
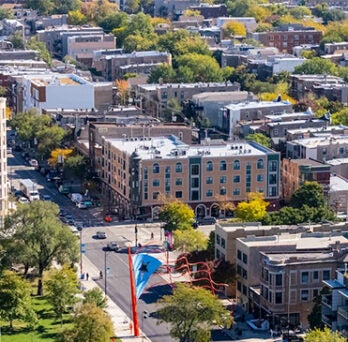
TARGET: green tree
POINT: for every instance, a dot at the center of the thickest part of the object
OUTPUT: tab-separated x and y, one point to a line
29	124
42	6
325	335
76	164
113	21
264	27
62	286
173	108
260	139
91	324
49	138
252	210
95	296
310	194
316	65
190	240
204	68
6	13
139	42
185	74
34	44
64	6
314	318
162	72
176	215
299	12
192	312
37	226
239	8
17	40
340	117
15	299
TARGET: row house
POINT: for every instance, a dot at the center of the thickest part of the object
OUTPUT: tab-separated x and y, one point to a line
153	98
332	87
292	269
116	65
334	301
286	38
295	172
140	172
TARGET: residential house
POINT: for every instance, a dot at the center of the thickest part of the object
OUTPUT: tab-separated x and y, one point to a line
295	172
338	193
286	37
153	98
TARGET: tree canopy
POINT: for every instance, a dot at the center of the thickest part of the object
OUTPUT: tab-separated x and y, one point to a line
252	210
192	313
325	335
260	139
190	240
176	215
316	65
36	229
310	194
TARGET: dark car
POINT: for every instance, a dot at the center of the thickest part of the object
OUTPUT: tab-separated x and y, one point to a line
206	221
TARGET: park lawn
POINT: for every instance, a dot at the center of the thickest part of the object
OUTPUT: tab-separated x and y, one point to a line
47	329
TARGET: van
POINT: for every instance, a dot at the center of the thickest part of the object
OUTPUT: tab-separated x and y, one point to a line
206	221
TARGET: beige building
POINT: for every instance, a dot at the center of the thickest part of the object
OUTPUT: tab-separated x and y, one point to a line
138	172
279	276
3	162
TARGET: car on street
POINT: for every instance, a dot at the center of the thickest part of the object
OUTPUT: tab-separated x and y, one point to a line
46	198
112	246
101	235
208	220
33	162
23	200
69	219
81	205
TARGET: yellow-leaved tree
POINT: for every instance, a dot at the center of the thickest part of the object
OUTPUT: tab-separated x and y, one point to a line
253	209
59	155
233	28
123	91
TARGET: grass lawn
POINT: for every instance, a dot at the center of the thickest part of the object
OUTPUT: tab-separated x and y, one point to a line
46	330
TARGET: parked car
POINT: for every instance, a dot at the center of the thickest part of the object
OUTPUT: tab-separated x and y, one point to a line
112	246
206	220
33	162
81	205
101	235
23	200
46	198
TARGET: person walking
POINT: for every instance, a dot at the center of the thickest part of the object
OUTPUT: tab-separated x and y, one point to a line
100	275
87	276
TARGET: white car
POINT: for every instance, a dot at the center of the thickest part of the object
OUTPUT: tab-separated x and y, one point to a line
33	162
81	205
23	200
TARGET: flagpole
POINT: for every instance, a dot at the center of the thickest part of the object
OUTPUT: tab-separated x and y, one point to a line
134	299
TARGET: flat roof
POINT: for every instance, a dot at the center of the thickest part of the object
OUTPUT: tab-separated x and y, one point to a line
56	79
338	161
170	147
155	86
304	161
257	104
297	257
338	184
321	141
223	96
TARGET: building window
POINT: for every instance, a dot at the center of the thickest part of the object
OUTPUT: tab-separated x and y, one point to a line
209	166
155	168
279	279
239	254
259	178
245	290
178	194
223	165
244	273
326	275
194	182
209	180
236	179
315	293
236	192
304	295
146	173
236	165
209	193
167	171
178	181
273	166
195	195
304	277
178	167
239	286
245	258
260	164
223	243
278	298
223	191
273	179
155	182
195	169
218	239
155	195
223	180
315	276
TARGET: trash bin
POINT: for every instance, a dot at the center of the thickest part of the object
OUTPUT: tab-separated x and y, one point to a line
82	276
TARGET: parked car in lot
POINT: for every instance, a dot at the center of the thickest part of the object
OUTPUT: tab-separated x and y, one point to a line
112	246
46	198
101	235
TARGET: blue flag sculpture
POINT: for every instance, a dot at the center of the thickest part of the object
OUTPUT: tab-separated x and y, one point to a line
144	266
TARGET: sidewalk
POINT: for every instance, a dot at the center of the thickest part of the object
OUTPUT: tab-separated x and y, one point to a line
119	318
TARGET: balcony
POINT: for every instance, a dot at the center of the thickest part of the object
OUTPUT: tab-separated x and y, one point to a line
327	300
329	319
343	311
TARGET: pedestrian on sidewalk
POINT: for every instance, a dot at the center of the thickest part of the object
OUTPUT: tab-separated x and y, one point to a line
100	275
151	235
87	276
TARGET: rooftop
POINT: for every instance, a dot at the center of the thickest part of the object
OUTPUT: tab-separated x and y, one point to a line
338	183
321	141
43	80
296	257
258	104
138	54
170	147
155	86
